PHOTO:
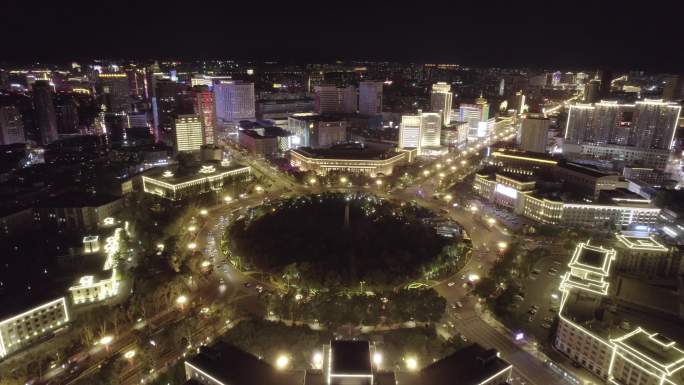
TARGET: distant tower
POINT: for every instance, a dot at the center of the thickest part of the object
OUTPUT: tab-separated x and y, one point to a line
346	215
44	105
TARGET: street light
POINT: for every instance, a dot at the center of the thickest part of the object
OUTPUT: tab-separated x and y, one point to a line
282	361
411	363
453	168
448	197
377	358
317	360
491	221
312	181
442	175
502	245
378	182
259	189
192	228
106	340
192	246
426	172
343	179
464	162
181	300
204	212
129	354
227	199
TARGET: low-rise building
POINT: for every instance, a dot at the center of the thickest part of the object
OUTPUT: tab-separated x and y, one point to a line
77	211
22	329
641	254
175	184
350	158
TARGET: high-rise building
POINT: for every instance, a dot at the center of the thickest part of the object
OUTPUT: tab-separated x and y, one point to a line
519	102
66	110
234	101
534	132
674	88
116	90
606	84
370	98
188	133
335	100
484	106
420	130
11	126
205	108
591	91
647	124
441	99
44	105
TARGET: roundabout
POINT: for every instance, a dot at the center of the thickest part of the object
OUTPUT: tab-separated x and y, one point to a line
334	239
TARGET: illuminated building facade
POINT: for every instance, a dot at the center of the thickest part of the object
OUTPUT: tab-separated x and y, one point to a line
208	178
641	254
370	98
371	163
116	90
189	133
441	99
205	108
330	99
420	130
21	330
316	131
234	101
625	132
618	354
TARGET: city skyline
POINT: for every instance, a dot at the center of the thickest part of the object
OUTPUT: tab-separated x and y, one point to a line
468	34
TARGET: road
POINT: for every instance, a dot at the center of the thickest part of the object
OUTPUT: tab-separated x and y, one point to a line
231	284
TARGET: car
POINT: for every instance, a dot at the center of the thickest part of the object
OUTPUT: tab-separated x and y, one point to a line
548	319
535	307
464	338
259	288
530	318
459	304
222	281
247	285
450	284
532	312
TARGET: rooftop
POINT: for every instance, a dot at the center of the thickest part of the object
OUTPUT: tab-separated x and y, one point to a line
595	258
348	151
221	360
175	174
313	117
350	357
654	348
637	241
470	365
584	169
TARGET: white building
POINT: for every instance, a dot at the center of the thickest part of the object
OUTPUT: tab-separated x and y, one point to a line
420	130
370	98
441	101
234	101
189	135
21	330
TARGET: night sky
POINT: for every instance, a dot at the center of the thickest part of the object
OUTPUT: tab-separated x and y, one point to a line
555	34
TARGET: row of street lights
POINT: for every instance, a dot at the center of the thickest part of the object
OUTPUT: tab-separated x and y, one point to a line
282	362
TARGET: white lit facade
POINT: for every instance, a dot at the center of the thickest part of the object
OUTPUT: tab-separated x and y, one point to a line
23	329
421	130
189	135
208	178
234	101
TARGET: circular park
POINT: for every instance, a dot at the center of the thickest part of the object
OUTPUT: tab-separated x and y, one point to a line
342	240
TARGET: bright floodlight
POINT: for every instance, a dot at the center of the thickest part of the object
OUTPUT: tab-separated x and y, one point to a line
442	175
377	358
318	360
411	364
453	168
204	212
259	188
473	208
378	182
502	245
192	246
426	172
473	277
448	197
227	199
282	361
106	340
192	228
463	162
491	221
312	181
181	300
206	263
